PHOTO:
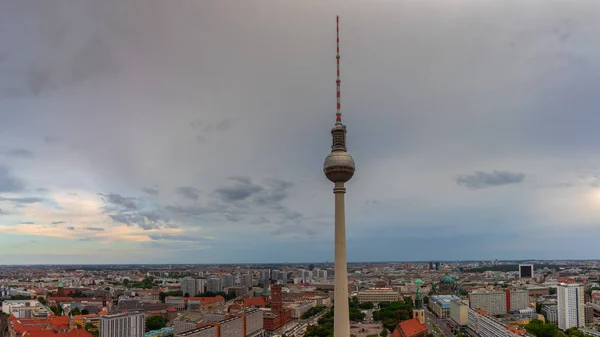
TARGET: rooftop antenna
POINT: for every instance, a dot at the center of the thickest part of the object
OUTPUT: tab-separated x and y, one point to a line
338	115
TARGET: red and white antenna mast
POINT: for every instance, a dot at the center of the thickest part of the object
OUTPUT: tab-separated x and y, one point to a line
338	115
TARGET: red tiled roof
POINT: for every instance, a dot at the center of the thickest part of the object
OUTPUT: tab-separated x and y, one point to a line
412	327
258	301
205	300
46	327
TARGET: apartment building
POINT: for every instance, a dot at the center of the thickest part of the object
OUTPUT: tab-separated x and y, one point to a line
123	325
571	312
486	326
192	286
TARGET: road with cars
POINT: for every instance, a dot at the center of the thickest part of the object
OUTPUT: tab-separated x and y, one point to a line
441	323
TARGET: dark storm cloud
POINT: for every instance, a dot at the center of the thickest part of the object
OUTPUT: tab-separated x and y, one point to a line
71	228
58	222
8	182
240	191
188	192
119	200
480	179
19	153
150	190
22	200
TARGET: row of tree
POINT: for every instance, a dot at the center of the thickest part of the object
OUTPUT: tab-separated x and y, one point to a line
541	329
313	311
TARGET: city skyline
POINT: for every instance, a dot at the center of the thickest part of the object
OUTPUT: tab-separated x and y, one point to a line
196	133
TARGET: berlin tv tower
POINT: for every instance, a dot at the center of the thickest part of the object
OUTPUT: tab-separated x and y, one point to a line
339	168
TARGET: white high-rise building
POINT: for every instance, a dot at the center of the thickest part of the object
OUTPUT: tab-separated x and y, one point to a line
131	324
571	311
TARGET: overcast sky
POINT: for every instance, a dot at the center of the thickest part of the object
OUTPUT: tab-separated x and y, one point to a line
195	131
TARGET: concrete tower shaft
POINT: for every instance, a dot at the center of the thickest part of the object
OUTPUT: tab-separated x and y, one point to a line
339	168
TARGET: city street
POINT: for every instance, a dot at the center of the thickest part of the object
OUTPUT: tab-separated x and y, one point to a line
432	320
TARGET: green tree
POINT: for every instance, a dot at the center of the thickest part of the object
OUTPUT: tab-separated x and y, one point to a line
366	305
426	300
539	329
85	312
57	310
155	322
42	301
75	311
163	295
313	311
384	333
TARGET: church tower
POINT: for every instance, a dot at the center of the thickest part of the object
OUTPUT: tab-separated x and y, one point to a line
418	311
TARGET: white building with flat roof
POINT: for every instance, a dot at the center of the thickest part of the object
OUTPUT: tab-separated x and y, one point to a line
377	295
130	324
571	310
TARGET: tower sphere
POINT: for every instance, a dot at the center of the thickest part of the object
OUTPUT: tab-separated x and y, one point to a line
338	166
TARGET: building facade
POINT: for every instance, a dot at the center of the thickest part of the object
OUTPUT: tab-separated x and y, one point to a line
550	311
123	325
440	304
571	312
377	295
459	312
486	326
192	287
213	285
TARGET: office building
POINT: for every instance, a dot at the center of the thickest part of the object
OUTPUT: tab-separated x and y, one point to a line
377	295
440	304
459	312
525	271
192	287
123	325
571	312
518	299
499	302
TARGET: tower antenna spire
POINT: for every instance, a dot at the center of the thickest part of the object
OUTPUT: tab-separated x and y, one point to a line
338	115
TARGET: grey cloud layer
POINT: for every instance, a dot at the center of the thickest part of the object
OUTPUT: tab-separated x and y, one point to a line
19	153
481	179
494	91
8	182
